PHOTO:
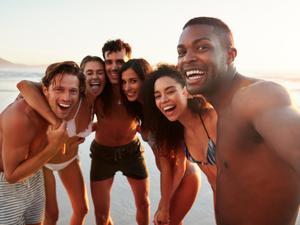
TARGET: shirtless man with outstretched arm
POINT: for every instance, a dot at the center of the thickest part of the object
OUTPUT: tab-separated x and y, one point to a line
258	145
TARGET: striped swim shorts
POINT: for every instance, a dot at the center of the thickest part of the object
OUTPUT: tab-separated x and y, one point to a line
22	202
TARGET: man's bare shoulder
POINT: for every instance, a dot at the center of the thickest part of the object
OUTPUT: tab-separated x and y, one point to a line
260	95
17	116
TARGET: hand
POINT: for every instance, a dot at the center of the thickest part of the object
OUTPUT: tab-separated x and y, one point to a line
57	136
56	123
75	141
72	144
161	217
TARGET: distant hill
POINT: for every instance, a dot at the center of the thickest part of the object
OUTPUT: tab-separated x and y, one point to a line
7	64
4	62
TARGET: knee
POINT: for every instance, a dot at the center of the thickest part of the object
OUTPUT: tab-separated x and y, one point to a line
81	210
51	215
102	218
144	204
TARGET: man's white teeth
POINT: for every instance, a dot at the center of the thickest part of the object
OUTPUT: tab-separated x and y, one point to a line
64	105
197	73
194	77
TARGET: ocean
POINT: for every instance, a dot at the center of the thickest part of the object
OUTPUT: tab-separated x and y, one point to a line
122	201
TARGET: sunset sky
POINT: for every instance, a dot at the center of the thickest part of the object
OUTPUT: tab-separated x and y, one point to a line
266	32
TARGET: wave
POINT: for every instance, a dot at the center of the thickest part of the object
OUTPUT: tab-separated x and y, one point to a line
5	74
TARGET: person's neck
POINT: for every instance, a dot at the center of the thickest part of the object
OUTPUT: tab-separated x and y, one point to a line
90	97
224	89
115	90
116	95
187	119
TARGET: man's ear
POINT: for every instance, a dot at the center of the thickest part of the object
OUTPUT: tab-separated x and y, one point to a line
231	54
45	90
186	93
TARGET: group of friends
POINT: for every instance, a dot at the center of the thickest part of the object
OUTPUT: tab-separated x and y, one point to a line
198	115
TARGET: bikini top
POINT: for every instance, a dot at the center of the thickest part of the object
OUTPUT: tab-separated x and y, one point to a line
71	125
211	150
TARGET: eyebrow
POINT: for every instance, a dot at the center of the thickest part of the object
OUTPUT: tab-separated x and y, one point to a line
195	41
166	89
120	60
91	70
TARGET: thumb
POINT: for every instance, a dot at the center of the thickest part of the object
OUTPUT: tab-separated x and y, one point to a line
63	125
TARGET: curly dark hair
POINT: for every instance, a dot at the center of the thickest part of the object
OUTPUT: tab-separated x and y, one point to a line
166	133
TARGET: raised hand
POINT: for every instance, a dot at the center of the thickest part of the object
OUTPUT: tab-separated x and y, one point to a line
57	136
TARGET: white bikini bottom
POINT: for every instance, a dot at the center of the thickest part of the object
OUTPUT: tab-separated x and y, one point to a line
60	166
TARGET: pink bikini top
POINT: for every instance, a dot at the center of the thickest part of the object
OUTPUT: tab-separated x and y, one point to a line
71	125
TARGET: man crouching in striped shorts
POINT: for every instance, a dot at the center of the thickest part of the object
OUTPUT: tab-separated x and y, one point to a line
27	143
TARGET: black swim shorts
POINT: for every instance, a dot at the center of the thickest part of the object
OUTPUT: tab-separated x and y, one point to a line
106	161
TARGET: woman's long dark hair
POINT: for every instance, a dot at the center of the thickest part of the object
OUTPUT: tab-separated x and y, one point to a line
142	68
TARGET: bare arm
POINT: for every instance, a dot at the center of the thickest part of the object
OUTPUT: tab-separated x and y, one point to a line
277	120
170	178
19	161
179	170
32	93
166	181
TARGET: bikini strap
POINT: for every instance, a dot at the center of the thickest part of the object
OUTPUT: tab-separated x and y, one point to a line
78	108
204	126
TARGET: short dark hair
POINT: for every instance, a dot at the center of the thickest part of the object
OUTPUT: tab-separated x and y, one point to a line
116	46
219	26
64	67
